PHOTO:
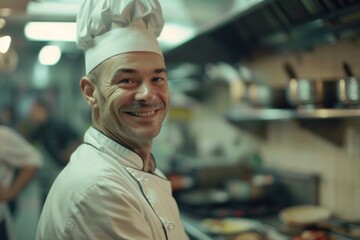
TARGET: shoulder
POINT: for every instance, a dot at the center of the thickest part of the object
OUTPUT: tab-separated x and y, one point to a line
88	168
5	131
106	197
10	135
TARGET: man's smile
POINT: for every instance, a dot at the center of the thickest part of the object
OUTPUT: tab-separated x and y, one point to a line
143	114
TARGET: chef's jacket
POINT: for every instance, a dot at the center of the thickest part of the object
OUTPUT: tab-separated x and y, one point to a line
103	194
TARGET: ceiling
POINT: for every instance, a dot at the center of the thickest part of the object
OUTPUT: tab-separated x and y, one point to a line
188	14
216	30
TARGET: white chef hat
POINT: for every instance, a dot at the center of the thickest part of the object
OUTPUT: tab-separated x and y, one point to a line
109	27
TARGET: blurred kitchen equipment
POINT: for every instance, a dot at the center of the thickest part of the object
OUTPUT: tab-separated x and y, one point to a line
229	226
302	92
224	86
204	197
266	96
260	94
348	88
314	234
304	215
341	226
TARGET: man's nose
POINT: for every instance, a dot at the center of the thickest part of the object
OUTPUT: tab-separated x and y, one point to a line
145	93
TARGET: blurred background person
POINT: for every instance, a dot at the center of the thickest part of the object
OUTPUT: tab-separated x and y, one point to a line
7	115
19	162
55	138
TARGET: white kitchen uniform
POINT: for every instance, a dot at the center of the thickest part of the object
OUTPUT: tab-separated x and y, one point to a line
15	152
103	194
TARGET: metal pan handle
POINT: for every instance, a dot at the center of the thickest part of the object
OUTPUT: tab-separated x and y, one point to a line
347	69
290	70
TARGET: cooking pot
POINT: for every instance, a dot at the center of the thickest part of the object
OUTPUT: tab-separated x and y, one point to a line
309	93
302	92
348	88
266	96
260	94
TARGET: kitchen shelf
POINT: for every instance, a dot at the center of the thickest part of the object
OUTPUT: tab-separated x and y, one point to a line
239	115
318	121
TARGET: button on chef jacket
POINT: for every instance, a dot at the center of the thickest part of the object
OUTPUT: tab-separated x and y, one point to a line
103	194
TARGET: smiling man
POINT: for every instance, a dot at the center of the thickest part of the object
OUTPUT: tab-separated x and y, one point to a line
111	188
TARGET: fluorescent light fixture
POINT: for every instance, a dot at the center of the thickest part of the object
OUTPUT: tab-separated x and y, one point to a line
174	34
51	31
51	8
49	55
5	42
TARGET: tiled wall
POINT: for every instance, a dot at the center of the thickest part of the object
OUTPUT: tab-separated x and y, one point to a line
290	146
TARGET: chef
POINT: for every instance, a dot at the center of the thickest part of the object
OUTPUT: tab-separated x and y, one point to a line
19	163
111	188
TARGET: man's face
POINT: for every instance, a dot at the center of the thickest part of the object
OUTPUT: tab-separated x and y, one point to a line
133	97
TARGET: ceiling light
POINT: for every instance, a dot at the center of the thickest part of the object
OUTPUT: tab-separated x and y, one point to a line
175	34
5	42
2	23
172	34
51	31
5	12
49	55
62	9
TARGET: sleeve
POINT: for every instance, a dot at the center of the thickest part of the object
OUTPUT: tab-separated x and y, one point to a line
16	151
114	213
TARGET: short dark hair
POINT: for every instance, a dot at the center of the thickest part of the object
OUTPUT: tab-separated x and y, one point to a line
42	102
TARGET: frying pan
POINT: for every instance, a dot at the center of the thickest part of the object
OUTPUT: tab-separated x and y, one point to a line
348	88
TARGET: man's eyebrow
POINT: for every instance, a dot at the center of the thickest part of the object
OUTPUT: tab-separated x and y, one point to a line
121	71
124	70
131	70
160	70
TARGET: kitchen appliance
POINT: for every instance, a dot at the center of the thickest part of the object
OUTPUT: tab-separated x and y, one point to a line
211	197
303	92
304	215
309	93
260	94
348	88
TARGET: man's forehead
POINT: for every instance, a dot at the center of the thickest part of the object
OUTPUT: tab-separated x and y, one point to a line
135	61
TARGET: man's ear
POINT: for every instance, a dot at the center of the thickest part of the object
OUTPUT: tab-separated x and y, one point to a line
88	89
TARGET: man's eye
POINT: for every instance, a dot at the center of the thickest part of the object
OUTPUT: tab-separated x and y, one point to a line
158	79
125	81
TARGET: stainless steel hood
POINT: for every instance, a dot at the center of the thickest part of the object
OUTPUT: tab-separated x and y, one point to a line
271	25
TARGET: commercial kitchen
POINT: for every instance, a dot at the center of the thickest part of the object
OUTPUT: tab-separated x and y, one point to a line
262	137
